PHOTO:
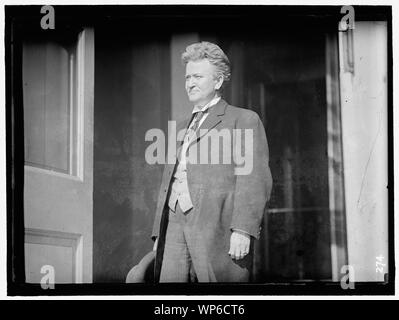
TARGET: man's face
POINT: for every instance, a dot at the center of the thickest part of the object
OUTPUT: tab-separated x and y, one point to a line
201	84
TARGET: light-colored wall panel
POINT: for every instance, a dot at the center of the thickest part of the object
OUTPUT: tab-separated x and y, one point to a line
364	128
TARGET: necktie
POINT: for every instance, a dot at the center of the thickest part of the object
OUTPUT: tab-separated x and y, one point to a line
191	132
197	119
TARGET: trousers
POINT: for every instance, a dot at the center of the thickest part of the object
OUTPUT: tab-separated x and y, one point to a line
177	263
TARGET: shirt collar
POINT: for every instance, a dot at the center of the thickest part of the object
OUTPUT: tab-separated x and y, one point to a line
207	106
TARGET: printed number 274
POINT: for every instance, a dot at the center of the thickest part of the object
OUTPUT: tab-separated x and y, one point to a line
379	265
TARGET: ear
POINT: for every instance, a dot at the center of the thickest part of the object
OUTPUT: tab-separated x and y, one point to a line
219	82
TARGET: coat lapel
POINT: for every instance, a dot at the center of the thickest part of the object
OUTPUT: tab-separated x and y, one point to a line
212	120
181	126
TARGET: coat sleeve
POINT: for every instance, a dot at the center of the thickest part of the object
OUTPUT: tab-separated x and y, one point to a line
253	176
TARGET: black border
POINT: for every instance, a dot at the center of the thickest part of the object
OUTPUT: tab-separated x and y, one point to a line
19	19
252	309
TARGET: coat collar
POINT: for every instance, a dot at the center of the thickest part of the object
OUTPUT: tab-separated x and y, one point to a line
215	111
211	121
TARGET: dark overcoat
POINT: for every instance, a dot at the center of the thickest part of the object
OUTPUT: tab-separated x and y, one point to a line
224	198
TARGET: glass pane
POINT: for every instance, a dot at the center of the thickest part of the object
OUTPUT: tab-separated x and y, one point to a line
47	104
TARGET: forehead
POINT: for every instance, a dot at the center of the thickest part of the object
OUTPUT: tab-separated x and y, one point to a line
199	66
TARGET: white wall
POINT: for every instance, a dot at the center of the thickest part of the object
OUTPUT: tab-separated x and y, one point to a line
364	128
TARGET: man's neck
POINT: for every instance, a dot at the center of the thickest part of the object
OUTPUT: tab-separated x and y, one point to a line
202	106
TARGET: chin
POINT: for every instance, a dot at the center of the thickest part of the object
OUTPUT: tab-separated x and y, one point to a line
192	99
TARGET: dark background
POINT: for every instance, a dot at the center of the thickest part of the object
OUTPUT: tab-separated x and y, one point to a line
132	95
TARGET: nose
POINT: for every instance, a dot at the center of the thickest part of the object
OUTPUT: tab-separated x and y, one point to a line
190	82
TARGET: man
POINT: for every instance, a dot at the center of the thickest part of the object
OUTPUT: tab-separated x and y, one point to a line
208	213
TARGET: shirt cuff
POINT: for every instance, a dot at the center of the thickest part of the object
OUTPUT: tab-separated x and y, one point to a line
242	232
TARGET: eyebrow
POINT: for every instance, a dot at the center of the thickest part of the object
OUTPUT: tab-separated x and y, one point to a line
194	74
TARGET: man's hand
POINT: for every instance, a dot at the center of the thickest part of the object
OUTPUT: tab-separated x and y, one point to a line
239	245
154	248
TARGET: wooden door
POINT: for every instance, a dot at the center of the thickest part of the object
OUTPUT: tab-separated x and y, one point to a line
58	86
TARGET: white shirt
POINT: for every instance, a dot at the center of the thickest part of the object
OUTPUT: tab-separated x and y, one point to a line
211	103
